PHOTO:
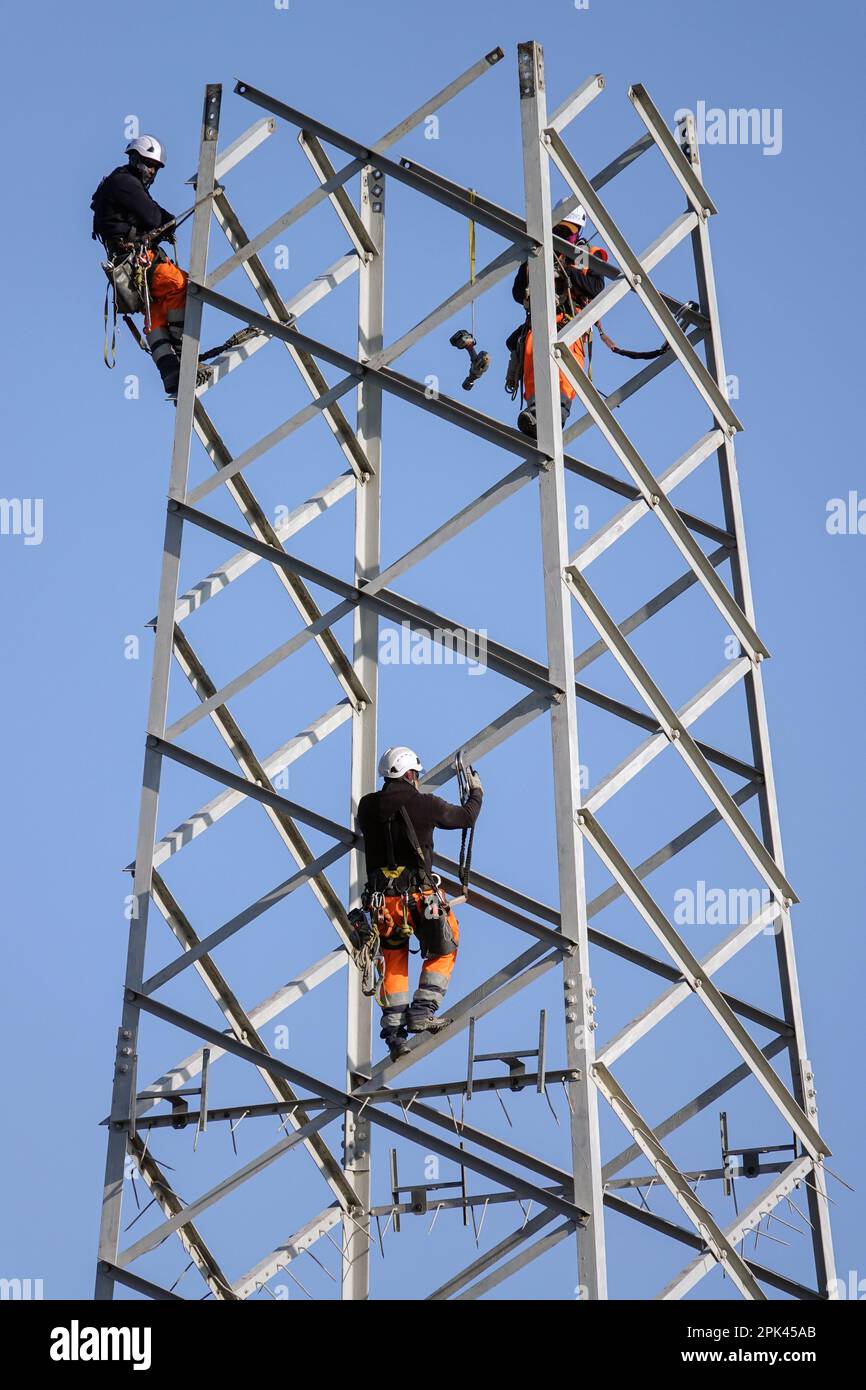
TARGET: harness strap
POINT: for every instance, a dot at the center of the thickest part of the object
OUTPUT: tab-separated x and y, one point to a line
109	345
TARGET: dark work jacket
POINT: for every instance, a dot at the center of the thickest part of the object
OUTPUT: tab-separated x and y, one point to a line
426	812
585	284
122	208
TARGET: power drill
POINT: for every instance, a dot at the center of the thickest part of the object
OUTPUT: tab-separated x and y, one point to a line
479	361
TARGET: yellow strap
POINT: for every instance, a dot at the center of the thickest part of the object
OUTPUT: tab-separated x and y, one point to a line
472	256
471	242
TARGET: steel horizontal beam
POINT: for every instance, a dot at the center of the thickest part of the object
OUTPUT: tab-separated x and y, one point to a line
336	1099
504	226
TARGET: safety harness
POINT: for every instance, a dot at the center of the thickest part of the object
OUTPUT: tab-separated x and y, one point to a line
128	291
566	305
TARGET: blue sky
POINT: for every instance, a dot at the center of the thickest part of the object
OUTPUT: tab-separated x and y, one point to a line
75	705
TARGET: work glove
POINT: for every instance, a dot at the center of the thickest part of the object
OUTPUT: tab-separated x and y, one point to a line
473	780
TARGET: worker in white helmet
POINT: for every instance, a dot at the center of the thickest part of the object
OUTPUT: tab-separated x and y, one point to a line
402	893
574	285
124	218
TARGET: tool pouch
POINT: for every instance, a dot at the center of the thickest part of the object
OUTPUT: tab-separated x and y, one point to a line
122	278
434	936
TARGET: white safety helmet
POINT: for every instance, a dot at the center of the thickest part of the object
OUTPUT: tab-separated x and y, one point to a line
398	760
576	219
149	148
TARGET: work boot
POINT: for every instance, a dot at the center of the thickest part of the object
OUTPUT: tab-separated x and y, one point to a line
526	422
420	1018
398	1044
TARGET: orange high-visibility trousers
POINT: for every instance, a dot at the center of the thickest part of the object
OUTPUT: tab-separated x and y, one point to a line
566	389
435	971
167	293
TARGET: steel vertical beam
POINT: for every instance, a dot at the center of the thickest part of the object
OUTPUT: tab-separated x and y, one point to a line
368	495
121	1122
585	1141
802	1077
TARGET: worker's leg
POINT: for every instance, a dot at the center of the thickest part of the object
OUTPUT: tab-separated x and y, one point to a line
168	304
435	974
526	420
395	985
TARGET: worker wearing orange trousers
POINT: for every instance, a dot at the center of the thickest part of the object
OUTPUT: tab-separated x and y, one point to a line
435	971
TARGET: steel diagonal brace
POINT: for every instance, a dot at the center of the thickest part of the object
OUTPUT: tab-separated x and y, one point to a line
170	1204
623	521
657	500
244	918
665	1003
241	1024
396	133
490	1257
228	571
701	983
517	1262
683	170
290	1249
747	1221
279	310
282	758
406	389
619	287
694	1106
630	387
499	267
718	1243
680	737
240	491
222	1189
242	751
687	1237
335	1099
642	285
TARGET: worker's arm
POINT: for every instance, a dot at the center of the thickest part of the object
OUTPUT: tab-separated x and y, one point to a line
521	279
134	199
588	283
448	817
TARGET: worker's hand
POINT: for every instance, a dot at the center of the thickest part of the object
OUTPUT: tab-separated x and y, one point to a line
473	780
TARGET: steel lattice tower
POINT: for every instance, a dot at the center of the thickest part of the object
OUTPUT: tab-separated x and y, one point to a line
571	1194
